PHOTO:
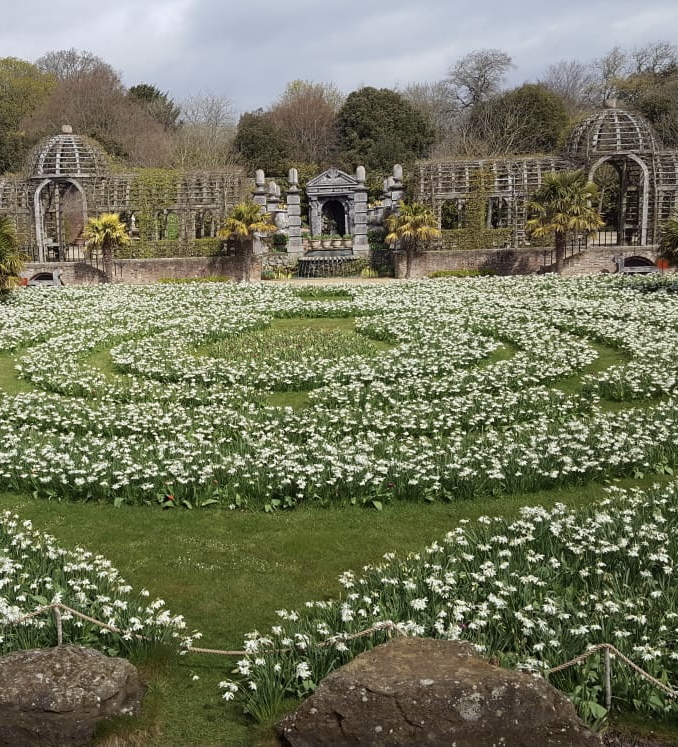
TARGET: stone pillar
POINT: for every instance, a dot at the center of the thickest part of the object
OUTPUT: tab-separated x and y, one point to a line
294	245
272	198
259	193
360	245
396	185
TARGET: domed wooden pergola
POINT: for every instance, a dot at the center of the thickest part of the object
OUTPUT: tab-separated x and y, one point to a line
69	178
613	138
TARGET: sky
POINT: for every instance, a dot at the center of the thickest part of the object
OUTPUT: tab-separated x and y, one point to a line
247	51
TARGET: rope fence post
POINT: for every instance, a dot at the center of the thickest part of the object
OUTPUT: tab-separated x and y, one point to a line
59	625
608	680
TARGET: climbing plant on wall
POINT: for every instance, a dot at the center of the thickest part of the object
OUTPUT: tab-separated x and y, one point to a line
474	233
152	190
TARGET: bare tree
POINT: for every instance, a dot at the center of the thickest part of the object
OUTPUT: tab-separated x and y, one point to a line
609	69
478	75
658	58
65	64
437	102
306	115
573	81
206	132
95	103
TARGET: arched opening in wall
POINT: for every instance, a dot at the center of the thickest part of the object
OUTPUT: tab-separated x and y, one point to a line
450	215
73	214
172	226
497	213
60	217
166	225
622	200
607	181
638	262
334	218
204	224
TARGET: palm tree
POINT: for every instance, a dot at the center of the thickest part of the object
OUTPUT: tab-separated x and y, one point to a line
563	203
413	226
11	259
668	238
245	221
105	233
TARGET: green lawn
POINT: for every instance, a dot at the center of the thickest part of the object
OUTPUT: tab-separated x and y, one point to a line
227	572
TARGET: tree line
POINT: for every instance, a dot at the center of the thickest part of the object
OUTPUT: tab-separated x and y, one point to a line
311	126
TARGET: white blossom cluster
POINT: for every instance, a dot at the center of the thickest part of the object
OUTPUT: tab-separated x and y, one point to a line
534	592
465	401
35	572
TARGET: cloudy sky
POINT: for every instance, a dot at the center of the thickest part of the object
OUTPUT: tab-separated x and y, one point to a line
248	50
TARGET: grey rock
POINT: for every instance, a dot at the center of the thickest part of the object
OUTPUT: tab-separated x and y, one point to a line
56	696
433	693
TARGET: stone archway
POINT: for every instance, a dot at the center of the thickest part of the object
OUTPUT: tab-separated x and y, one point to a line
334	217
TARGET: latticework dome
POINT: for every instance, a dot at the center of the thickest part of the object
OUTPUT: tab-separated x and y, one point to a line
610	131
67	155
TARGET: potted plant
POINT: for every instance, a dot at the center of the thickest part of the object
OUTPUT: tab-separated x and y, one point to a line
347	240
335	240
326	240
314	241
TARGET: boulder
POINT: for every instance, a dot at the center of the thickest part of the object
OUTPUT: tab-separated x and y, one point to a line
433	693
55	696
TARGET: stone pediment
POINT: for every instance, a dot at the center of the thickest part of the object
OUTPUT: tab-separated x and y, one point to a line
333	179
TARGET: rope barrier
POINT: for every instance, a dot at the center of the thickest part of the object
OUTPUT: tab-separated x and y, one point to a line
608	647
386	625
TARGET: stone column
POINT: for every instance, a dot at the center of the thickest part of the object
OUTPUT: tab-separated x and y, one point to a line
272	198
294	245
396	185
360	245
259	193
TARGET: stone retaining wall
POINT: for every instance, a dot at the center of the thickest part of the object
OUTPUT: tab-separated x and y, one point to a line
144	271
527	261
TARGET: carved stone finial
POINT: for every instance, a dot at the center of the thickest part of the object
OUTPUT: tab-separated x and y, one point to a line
360	174
293	177
66	129
610	103
398	172
259	178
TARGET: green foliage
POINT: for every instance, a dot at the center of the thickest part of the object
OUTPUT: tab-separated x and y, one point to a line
106	231
564	203
158	104
528	119
104	234
462	273
208	279
378	128
668	238
23	87
474	233
262	145
152	190
11	259
246	219
413	227
655	96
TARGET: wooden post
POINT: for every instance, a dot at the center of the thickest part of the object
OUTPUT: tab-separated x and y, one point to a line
608	680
